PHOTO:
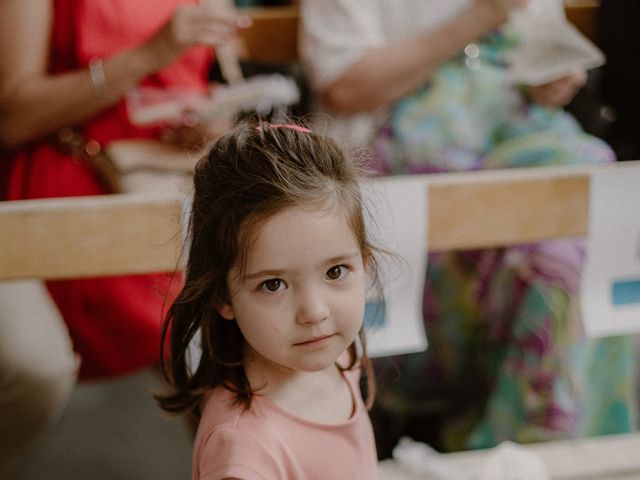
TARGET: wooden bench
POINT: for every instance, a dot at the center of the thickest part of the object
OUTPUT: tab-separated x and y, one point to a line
129	233
126	233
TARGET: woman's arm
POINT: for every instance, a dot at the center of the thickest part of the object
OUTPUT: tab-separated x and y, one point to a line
34	103
409	62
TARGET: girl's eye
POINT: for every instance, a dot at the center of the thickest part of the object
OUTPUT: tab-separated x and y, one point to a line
337	272
272	285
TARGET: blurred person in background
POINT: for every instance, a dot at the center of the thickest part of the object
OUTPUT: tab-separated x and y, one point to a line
423	86
66	66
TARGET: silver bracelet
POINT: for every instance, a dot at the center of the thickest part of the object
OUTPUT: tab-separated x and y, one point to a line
99	81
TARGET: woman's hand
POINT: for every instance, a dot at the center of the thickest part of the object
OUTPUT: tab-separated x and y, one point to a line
192	25
194	134
560	92
502	8
35	103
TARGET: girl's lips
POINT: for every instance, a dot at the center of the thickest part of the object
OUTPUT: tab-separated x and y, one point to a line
314	341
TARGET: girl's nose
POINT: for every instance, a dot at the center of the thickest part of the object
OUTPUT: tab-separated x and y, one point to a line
312	308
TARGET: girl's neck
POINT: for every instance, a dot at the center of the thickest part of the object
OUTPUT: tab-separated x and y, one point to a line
323	396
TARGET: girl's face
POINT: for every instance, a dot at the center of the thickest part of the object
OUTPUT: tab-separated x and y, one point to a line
300	302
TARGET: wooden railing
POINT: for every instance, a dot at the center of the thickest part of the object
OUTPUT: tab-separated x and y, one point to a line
128	233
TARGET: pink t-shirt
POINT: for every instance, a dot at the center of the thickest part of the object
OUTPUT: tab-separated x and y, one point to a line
268	443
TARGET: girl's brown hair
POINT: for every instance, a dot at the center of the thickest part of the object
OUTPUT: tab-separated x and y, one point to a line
249	174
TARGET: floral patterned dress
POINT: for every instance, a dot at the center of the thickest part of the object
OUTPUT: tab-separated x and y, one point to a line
507	356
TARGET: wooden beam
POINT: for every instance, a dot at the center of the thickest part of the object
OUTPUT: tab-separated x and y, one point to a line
88	236
273	36
584	15
497	208
118	234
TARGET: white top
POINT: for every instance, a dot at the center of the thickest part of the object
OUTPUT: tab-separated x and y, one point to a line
267	442
335	33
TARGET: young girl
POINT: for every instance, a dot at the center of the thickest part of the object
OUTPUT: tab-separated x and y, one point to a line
275	292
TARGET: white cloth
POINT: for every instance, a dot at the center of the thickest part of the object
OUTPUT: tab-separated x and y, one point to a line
37	367
508	461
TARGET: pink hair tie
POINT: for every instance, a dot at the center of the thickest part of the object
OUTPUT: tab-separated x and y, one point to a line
297	128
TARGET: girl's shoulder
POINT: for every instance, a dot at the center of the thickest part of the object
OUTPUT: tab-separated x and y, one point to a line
227	431
219	408
232	441
221	412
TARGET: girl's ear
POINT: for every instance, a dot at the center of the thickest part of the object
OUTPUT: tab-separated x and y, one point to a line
226	310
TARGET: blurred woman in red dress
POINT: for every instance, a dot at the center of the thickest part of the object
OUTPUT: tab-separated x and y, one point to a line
69	63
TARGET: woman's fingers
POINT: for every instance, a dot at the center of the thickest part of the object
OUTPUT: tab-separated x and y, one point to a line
193	25
501	8
560	92
194	134
199	24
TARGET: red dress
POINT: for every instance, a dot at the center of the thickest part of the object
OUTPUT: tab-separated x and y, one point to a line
114	322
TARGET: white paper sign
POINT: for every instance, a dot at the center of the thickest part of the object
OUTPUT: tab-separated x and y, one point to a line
610	291
398	224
